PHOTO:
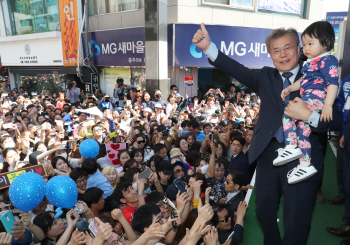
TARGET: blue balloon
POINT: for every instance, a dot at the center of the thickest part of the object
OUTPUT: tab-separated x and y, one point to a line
27	191
89	148
62	191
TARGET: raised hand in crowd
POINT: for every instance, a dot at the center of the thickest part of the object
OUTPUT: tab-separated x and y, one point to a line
193	236
211	237
77	238
104	232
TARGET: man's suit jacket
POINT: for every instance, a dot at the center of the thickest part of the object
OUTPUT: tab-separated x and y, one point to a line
240	163
268	84
232	204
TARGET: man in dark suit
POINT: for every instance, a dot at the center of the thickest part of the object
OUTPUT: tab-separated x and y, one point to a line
239	160
271	181
234	181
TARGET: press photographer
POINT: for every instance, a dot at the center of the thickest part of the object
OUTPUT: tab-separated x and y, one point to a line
73	93
121	91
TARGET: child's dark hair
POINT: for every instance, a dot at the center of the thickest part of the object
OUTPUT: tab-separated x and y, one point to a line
323	31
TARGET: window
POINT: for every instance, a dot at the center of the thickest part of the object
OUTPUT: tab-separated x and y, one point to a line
97	7
125	5
241	4
33	16
226	2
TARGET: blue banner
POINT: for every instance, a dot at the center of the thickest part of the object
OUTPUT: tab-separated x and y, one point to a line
122	47
286	6
335	18
244	44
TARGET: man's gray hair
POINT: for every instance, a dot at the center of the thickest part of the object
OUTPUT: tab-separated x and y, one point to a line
280	32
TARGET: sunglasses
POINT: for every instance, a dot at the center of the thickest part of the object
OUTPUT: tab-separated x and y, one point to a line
11	131
127	112
179	171
141	141
225	220
97	129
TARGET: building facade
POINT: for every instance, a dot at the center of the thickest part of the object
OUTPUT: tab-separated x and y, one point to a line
116	38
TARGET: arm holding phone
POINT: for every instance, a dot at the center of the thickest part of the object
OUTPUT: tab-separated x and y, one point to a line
22	123
70	227
35	230
211	169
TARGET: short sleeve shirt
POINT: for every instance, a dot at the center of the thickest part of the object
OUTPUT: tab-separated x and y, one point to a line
128	213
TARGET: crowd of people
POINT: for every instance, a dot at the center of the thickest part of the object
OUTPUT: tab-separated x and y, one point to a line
194	156
187	164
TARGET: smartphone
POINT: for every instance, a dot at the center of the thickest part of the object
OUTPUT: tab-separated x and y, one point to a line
18	114
40	127
4	94
145	174
180	185
215	139
128	102
7	221
93	228
7	125
78	209
230	236
113	134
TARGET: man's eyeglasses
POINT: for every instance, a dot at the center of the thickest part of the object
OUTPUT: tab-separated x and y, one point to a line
287	50
179	171
118	241
227	181
225	220
11	131
82	180
141	141
97	129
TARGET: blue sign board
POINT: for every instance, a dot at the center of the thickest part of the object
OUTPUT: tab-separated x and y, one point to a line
286	6
121	47
335	18
245	45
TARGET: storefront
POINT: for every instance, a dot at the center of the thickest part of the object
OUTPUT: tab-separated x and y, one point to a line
119	53
34	63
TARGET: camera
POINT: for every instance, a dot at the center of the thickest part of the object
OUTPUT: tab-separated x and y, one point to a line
120	81
235	124
70	85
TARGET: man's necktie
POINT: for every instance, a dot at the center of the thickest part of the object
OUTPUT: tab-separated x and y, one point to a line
75	97
279	133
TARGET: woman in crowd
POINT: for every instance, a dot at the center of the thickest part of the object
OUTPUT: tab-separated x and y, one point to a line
111	174
171	106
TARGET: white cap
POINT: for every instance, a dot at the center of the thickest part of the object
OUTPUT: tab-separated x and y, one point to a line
158	106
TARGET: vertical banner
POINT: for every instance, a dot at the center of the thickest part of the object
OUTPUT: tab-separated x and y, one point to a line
69	31
189	80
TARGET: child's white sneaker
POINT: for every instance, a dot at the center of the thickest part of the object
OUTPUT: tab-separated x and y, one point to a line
300	173
286	155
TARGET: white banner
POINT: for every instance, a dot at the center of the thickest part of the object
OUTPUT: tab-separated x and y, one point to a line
31	52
